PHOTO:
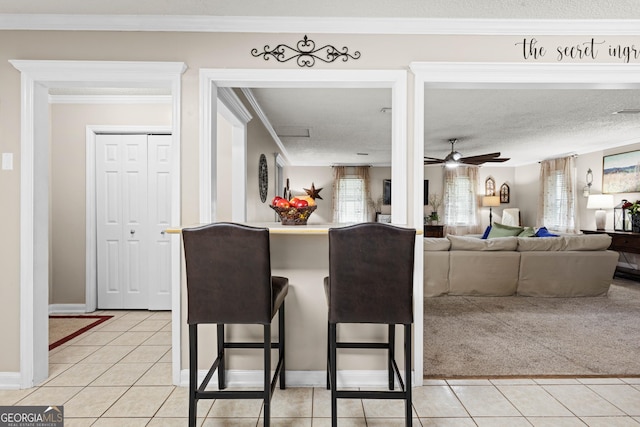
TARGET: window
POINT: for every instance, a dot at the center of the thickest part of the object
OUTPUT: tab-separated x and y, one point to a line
557	210
460	200
351	202
351	194
461	209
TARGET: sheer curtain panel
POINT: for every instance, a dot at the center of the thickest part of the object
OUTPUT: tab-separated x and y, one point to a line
557	200
461	213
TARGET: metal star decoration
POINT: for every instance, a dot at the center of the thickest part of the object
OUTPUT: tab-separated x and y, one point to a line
313	192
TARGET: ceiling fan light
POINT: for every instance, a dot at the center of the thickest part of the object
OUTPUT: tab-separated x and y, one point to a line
451	164
456	156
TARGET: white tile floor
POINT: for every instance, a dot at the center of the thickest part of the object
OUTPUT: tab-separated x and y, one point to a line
119	374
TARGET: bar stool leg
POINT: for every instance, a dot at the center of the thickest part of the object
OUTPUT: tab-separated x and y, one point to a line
333	369
328	356
392	355
281	347
222	382
267	375
193	373
407	373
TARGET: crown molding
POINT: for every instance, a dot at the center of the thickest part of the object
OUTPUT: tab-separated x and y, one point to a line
248	93
341	25
110	99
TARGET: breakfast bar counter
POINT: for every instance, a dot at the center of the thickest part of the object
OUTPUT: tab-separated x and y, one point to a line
300	253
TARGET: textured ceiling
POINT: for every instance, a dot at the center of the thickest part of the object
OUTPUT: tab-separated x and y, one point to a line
524	125
529	125
488	9
341	123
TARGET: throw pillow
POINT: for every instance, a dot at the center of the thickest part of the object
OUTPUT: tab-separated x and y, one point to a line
543	232
486	232
500	230
528	232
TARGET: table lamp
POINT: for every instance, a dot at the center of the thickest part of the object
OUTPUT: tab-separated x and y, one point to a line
490	201
600	202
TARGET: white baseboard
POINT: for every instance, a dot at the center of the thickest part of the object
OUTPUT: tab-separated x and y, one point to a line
10	381
253	378
67	308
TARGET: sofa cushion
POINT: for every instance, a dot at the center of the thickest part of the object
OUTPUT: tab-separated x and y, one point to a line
569	274
587	242
464	243
527	244
499	230
433	244
483	273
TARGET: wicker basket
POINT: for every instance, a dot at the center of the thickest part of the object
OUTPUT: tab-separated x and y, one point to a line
294	216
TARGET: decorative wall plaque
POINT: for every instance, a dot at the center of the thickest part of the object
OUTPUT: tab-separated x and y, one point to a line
504	193
489	187
305	53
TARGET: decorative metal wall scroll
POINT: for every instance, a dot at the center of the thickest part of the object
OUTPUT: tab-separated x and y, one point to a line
305	53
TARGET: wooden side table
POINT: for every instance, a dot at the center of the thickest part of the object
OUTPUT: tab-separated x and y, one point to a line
434	231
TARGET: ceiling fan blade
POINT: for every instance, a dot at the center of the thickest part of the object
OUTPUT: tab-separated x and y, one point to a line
433	158
481	157
433	162
498	160
482	161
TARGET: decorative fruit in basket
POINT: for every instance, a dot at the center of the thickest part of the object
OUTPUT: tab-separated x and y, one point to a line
283	203
298	203
309	200
297	210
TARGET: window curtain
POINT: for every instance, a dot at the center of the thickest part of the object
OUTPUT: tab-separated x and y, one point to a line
557	198
460	200
351	194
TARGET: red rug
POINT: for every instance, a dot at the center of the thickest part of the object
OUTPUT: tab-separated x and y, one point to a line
64	328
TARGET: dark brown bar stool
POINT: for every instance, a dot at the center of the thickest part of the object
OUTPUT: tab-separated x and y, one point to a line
371	281
229	282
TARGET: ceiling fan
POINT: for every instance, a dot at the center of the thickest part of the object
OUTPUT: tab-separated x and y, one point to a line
454	159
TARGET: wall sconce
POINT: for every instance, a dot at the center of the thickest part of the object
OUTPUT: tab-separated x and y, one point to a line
587	189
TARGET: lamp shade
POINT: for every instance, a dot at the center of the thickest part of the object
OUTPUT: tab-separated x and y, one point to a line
600	201
494	201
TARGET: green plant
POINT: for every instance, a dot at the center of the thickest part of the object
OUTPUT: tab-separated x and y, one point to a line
633	208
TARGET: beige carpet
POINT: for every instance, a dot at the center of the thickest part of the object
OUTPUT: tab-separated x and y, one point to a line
64	328
523	336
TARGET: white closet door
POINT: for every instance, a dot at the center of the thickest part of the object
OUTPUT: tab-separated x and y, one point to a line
122	225
159	153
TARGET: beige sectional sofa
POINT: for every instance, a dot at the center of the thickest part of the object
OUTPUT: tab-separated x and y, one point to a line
563	266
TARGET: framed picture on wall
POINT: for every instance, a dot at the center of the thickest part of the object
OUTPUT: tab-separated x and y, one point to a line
621	173
425	197
386	191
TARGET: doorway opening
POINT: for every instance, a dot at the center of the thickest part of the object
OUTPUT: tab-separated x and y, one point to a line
38	77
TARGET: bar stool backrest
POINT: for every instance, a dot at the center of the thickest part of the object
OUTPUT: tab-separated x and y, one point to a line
228	274
371	274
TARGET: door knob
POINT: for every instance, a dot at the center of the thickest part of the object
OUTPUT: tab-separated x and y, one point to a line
132	232
162	232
